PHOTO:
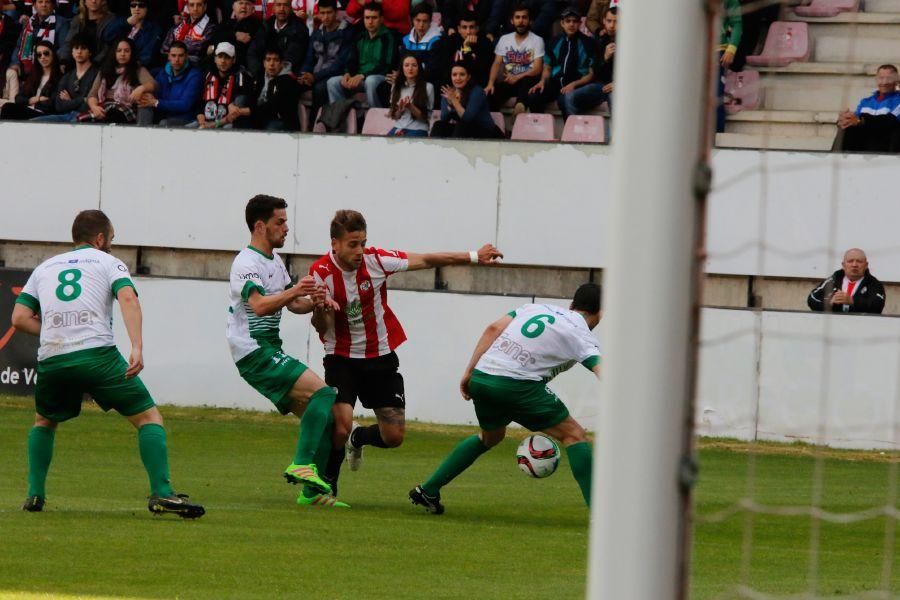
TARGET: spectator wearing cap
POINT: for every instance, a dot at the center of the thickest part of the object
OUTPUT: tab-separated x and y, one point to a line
71	92
851	289
875	124
195	30
327	55
178	87
277	96
542	15
95	20
567	65
238	30
227	93
283	31
518	62
372	57
587	97
469	45
146	33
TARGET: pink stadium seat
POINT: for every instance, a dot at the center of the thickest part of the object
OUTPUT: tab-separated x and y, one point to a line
787	42
827	8
589	129
499	121
377	122
744	90
535	127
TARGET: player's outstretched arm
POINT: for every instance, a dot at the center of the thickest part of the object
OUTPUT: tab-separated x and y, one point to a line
487	340
26	320
265	305
485	255
133	319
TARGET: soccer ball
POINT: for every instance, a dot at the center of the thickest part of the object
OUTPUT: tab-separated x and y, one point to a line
538	456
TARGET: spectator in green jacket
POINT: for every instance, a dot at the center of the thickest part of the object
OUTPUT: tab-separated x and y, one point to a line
372	57
729	40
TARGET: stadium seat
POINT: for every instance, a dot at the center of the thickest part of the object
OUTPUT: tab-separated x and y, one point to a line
535	127
590	129
349	123
743	91
827	8
377	122
499	121
787	42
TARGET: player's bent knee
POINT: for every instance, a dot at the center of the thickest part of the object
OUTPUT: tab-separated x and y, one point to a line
492	438
147	417
393	437
41	421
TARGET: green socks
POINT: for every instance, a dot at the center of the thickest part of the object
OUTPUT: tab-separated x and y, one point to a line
40	452
460	459
155	456
323	454
581	457
314	425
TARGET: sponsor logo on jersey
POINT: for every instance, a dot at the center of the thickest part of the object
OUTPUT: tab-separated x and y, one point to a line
354	311
122	268
73	261
247	276
365	286
72	318
514	350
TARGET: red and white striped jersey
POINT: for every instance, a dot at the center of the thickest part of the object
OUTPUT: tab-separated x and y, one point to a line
365	326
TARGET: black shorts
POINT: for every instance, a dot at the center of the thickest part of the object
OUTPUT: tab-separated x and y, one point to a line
375	381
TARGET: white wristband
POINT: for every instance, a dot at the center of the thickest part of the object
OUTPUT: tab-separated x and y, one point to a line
473	257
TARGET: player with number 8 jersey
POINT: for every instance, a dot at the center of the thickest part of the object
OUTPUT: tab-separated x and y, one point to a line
68	302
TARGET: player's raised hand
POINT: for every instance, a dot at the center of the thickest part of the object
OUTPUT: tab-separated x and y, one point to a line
488	254
135	363
464	386
306	286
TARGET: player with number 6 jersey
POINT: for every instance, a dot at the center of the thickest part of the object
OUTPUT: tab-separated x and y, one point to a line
507	377
68	302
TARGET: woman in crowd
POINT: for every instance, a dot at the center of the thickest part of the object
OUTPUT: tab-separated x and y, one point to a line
35	98
147	34
411	100
121	83
95	20
464	109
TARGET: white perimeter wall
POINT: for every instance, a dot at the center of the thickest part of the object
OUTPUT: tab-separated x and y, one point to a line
844	393
772	213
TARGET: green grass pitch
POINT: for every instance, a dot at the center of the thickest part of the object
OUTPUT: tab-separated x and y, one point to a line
503	536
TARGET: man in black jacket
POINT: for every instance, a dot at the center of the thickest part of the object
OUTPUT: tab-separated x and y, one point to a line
850	289
283	31
470	46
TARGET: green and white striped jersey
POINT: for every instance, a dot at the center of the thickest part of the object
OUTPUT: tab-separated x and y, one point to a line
73	292
541	342
267	274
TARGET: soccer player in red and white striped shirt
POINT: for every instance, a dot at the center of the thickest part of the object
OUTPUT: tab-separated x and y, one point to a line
360	337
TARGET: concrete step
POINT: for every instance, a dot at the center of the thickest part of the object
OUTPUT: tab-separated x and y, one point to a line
796	90
755	141
783	123
881	6
854	37
824	68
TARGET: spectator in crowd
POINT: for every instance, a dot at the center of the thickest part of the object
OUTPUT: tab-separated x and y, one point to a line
70	96
542	15
464	109
238	30
43	25
518	63
195	30
395	13
425	41
372	57
452	12
177	94
262	10
567	66
95	20
9	33
227	93
412	98
588	97
729	40
594	21
35	98
121	83
278	95
329	50
283	31
146	33
470	46
875	125
308	12
852	288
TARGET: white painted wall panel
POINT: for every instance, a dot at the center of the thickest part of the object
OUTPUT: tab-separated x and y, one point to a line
553	204
416	195
37	203
188	189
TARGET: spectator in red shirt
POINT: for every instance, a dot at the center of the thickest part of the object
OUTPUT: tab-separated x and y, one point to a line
361	335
